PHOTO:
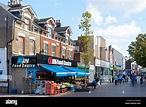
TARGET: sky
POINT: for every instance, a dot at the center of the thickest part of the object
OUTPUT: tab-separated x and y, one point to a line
117	21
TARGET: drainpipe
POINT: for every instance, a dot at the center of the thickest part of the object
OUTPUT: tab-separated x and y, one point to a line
7	46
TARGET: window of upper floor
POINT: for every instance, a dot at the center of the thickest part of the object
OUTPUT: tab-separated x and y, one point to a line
27	24
49	31
67	40
21	45
45	48
32	46
53	50
70	55
64	52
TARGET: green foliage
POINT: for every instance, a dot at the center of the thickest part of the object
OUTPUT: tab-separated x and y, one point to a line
86	39
84	24
137	50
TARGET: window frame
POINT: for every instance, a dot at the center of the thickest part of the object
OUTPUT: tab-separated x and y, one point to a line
33	51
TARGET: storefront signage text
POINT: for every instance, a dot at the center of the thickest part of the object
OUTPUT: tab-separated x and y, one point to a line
23	62
58	62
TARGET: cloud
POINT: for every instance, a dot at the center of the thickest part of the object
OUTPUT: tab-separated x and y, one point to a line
98	19
119	36
123	31
128	6
110	19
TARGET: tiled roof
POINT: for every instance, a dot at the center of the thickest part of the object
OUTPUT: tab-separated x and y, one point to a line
4	6
42	20
61	29
14	8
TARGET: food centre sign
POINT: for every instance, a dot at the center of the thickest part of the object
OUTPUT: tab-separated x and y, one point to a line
50	60
23	61
58	62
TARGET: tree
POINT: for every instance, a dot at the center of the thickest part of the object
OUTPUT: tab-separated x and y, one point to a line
137	50
85	39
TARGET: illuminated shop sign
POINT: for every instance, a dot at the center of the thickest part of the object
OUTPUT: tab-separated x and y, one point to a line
58	62
50	60
23	61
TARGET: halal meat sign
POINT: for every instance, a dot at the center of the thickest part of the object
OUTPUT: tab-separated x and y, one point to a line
52	61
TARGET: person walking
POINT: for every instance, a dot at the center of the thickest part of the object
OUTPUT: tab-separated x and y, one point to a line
94	83
141	80
116	79
120	79
133	79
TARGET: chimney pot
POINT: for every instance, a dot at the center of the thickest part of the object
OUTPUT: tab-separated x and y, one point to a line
9	4
16	2
20	2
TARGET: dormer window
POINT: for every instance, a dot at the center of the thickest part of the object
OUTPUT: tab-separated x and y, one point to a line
49	31
66	39
27	24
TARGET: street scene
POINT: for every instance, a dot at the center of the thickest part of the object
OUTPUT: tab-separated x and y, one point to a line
105	90
58	48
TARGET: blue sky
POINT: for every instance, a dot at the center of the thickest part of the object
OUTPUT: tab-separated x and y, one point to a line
118	21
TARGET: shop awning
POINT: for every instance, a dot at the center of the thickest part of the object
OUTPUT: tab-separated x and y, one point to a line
78	71
59	70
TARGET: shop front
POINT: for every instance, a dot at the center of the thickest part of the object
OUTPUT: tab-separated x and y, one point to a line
105	72
23	71
28	72
54	70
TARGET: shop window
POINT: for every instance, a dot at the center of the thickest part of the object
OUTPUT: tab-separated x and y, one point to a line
32	46
21	45
53	50
45	48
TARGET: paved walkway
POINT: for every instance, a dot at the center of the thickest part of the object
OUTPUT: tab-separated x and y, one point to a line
37	95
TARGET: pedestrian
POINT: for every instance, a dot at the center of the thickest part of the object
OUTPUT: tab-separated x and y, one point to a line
120	79
141	80
124	78
97	81
112	79
94	83
116	79
133	79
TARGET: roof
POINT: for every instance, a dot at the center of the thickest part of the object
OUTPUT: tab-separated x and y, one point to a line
14	8
4	6
61	29
44	19
23	7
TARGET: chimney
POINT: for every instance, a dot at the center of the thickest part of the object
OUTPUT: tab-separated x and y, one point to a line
16	2
58	24
20	2
9	4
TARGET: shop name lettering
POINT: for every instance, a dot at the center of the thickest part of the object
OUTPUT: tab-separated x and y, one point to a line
11	102
56	61
24	63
